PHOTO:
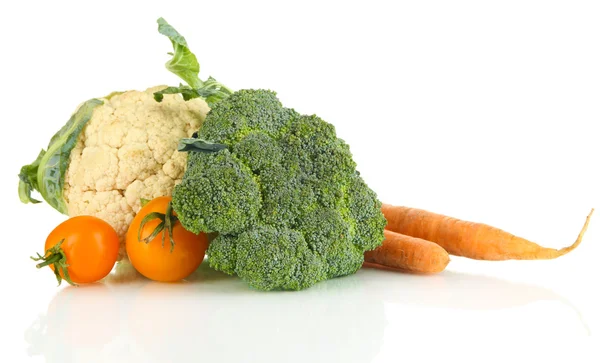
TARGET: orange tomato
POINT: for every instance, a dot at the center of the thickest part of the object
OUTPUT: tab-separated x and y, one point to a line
158	262
90	246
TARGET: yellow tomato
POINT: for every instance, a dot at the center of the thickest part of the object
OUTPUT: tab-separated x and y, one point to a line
89	245
161	262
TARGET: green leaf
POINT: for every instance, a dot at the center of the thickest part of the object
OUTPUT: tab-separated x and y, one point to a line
187	92
199	145
212	92
184	63
28	180
46	173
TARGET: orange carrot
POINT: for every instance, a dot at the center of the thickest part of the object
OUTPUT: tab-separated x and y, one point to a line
469	239
408	253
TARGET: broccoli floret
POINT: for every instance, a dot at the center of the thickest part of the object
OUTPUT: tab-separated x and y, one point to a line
364	210
285	197
223	253
246	111
218	194
268	258
258	151
330	235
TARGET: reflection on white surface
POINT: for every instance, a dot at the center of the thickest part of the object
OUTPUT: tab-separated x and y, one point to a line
452	290
218	318
212	316
463	291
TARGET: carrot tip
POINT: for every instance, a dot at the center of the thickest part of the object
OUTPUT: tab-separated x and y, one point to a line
570	248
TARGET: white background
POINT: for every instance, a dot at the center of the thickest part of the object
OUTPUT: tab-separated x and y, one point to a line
483	110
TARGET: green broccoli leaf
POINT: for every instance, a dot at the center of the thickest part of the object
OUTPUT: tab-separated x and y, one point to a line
46	173
199	145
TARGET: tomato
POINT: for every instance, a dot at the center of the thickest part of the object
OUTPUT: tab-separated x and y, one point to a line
158	262
90	247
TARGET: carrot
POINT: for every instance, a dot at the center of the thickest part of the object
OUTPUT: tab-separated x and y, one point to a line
408	253
469	239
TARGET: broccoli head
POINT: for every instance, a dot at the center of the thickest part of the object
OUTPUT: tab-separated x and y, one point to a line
282	193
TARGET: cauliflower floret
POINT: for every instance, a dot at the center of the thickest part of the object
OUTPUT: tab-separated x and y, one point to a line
127	151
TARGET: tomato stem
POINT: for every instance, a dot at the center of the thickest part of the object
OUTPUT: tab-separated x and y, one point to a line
169	224
165	226
55	256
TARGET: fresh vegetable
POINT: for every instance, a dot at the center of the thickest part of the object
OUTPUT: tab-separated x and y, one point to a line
82	249
278	192
469	239
280	188
112	152
158	246
408	253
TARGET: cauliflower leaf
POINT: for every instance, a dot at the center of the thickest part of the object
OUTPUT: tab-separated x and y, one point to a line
46	173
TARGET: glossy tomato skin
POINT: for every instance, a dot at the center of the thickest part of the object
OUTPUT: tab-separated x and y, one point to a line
158	262
91	247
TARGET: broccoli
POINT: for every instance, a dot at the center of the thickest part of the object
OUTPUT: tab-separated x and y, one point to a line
268	258
279	189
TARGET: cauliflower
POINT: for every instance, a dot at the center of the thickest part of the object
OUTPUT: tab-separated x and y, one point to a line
113	152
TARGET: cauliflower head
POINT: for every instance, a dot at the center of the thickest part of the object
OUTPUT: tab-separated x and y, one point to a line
113	152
